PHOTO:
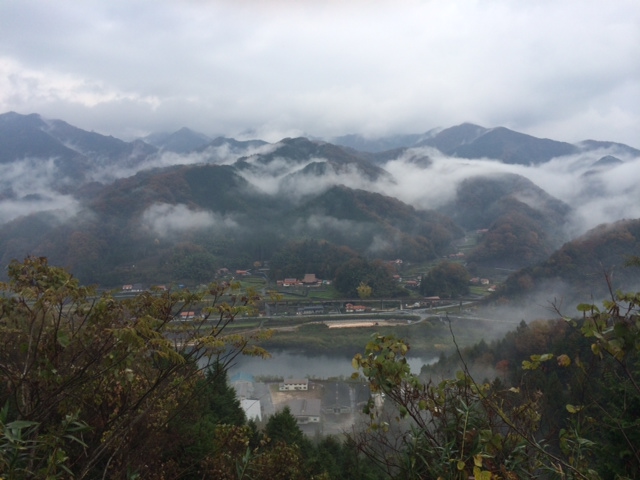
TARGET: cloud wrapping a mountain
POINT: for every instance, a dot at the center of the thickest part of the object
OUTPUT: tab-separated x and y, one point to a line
34	185
166	220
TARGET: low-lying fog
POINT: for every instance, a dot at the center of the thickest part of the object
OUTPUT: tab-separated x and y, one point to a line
421	177
597	194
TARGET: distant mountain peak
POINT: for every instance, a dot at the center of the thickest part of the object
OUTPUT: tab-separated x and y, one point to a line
618	148
183	140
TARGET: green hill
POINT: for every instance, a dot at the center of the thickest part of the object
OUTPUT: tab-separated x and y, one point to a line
582	266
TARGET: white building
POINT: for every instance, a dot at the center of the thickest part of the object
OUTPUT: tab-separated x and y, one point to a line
252	409
305	411
294	384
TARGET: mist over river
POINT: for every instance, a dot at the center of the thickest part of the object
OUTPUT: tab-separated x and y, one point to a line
294	365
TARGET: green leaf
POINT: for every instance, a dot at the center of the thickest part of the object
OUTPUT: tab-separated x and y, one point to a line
20	424
587	307
573	408
63	338
355	362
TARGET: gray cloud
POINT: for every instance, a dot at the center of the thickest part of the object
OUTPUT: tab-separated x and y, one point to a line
565	70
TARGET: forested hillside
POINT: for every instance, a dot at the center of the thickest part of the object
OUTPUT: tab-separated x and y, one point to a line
116	212
585	268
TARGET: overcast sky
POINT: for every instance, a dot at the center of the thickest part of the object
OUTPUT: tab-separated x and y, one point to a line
568	70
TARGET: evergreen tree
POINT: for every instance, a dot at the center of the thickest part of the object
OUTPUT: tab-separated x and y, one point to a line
283	427
222	404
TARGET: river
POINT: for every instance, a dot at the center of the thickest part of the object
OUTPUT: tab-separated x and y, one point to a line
293	365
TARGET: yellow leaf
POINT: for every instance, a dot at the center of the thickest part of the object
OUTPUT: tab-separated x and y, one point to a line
573	408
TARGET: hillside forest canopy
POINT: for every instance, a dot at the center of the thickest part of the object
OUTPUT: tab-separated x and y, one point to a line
178	208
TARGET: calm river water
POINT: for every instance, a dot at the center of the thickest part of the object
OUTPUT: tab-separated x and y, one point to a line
291	365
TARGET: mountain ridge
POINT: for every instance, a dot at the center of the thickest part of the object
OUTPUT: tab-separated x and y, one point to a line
101	205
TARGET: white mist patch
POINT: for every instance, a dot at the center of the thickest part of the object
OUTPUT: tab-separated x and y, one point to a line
219	155
596	194
225	154
379	244
61	207
28	186
437	184
302	184
282	176
165	219
268	177
326	223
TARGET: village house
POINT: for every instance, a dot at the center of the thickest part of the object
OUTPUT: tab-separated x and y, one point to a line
310	280
351	308
184	316
135	288
311	310
138	287
305	411
294	384
412	284
243	385
336	399
432	301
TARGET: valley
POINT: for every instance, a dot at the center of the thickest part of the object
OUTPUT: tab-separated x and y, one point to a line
427	252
